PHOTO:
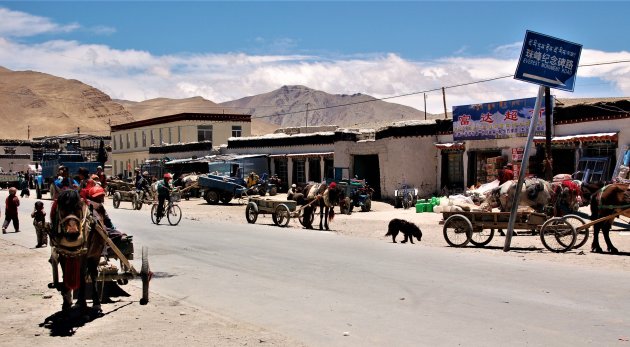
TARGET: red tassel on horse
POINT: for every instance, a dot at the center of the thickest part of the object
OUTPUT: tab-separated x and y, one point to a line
72	273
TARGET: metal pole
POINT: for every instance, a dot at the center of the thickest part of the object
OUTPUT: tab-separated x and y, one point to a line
444	98
425	105
548	125
521	176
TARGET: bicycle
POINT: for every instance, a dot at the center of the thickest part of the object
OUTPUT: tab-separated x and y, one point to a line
173	211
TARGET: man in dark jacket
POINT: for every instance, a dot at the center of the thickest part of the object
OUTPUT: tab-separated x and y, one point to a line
11	211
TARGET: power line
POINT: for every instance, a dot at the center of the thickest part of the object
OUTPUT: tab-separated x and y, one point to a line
372	99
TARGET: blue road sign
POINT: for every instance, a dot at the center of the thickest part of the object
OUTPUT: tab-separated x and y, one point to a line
548	61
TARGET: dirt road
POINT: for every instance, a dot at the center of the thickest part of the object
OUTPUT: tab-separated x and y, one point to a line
29	312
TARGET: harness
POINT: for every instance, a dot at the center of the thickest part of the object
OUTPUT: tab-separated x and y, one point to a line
609	207
76	247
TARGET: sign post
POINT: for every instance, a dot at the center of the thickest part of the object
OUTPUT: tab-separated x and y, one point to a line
546	61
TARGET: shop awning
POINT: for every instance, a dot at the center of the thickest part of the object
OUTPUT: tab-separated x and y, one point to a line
450	145
597	137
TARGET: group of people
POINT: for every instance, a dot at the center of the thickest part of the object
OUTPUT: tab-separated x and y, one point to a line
90	188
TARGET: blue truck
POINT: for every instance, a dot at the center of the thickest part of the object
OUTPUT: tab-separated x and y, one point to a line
50	166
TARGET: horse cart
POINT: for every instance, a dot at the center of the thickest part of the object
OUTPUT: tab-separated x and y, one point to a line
557	234
120	249
281	211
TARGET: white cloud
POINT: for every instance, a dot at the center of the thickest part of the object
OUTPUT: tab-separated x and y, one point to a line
139	75
20	24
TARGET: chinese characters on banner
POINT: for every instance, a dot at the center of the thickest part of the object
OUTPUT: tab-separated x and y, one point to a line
496	120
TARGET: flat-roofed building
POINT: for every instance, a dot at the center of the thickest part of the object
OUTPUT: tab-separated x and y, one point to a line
131	141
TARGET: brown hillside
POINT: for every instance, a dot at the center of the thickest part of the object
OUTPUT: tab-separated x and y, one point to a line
287	107
52	105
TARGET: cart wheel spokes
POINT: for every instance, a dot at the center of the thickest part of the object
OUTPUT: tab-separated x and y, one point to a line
251	212
457	230
581	234
557	235
481	237
174	214
283	215
145	275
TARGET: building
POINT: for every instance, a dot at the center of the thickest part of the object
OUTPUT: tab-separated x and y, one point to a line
131	142
15	155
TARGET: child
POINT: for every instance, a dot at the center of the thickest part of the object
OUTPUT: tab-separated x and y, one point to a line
11	211
39	219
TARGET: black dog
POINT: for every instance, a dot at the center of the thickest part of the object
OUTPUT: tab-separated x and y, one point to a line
408	229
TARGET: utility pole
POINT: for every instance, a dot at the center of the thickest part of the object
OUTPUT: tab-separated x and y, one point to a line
548	125
307	105
444	98
425	105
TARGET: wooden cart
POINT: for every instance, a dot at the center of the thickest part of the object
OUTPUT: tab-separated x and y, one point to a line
281	211
556	234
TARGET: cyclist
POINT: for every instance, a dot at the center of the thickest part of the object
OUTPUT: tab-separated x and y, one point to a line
164	188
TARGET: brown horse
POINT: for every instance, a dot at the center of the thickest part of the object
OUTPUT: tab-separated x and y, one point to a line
322	196
77	248
608	200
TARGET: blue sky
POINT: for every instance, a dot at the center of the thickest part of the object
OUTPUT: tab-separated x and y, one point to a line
228	50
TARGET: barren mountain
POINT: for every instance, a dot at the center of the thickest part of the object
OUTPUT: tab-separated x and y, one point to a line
287	107
53	105
164	106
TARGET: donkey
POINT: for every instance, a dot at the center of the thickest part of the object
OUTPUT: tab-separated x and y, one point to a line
318	195
77	248
608	200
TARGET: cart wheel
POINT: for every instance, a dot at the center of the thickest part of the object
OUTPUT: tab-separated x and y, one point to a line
174	215
117	199
212	197
557	235
481	237
407	199
145	274
367	205
282	215
303	222
226	198
581	234
154	218
457	230
139	205
251	212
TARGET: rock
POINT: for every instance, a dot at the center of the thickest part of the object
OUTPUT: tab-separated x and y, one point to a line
47	296
346	333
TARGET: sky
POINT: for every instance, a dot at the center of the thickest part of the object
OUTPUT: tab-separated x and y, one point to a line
228	50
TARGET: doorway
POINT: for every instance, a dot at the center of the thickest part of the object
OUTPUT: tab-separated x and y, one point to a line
367	167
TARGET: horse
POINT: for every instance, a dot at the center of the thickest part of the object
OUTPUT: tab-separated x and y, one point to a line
318	195
608	200
77	248
536	193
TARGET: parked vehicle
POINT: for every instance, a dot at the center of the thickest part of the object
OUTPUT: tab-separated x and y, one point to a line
356	193
220	188
50	165
406	196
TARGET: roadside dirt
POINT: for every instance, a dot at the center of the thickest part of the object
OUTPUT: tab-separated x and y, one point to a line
29	311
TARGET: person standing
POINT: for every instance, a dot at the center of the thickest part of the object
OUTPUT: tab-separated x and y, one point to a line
101	177
39	220
11	211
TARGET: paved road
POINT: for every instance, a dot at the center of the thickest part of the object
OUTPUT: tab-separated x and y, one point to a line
316	286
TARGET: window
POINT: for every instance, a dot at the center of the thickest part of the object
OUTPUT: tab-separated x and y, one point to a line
179	134
204	133
128	146
114	142
120	143
135	139
152	138
161	139
144	139
170	135
237	131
